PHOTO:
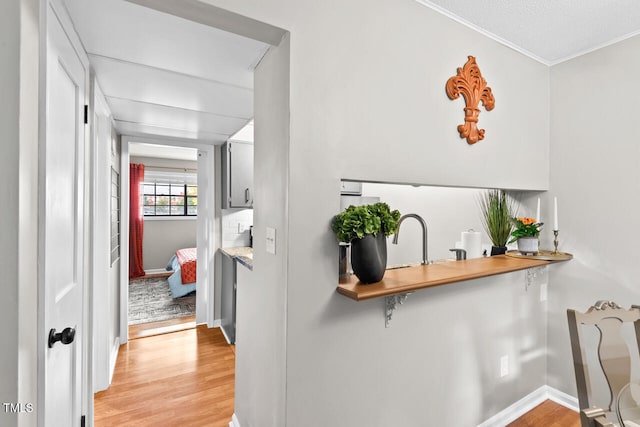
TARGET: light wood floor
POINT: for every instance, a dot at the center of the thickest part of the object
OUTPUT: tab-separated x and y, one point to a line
162	327
183	378
548	414
187	378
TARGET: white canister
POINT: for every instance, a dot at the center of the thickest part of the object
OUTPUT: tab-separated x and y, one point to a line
471	242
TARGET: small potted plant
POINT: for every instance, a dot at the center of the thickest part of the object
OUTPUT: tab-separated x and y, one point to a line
366	228
526	231
497	209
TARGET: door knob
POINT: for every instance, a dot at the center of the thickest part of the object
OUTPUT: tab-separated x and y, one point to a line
65	337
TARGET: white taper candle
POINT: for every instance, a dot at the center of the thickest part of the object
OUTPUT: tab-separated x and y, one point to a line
538	211
555	214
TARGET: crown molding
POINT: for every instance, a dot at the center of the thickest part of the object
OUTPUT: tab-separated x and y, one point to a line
482	31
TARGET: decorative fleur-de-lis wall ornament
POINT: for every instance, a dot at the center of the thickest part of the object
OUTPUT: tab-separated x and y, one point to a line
473	87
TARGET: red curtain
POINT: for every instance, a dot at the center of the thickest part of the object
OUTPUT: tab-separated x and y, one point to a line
136	221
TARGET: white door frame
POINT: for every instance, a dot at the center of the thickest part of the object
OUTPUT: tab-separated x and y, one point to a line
206	225
105	347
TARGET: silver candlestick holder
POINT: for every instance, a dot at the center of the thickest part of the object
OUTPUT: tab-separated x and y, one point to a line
555	241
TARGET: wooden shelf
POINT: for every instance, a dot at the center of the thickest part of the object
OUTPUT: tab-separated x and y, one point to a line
409	279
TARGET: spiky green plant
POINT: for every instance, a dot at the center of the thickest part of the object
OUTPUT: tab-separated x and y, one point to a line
498	209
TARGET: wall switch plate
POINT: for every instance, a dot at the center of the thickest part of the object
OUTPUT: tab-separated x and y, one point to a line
504	366
543	292
271	240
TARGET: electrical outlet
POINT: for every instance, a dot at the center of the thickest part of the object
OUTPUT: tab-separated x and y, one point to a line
543	292
504	366
241	227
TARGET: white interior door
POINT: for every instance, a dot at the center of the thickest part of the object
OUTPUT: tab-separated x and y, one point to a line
63	227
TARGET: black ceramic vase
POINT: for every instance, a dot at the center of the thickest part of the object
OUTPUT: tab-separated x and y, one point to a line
369	257
498	250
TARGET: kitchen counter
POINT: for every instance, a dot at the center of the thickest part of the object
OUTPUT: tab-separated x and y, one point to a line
409	279
242	254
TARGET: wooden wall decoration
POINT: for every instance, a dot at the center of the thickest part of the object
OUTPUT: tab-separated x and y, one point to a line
473	87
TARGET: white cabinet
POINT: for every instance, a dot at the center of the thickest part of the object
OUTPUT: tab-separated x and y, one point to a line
237	175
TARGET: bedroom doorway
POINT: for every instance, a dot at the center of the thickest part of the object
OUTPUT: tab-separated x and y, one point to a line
177	210
164	299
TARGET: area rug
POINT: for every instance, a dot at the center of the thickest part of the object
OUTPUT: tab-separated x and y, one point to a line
150	300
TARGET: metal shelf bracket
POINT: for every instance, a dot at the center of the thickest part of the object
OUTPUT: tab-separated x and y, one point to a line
390	303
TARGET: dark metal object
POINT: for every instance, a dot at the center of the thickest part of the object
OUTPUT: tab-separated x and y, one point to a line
65	337
423	224
461	254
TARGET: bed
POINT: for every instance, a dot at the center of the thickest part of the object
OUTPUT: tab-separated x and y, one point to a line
183	279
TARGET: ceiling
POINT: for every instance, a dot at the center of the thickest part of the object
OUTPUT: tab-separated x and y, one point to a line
174	152
167	76
142	149
550	31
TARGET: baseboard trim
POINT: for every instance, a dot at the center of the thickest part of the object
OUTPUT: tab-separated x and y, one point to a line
113	358
564	399
512	412
225	335
157	272
529	402
234	421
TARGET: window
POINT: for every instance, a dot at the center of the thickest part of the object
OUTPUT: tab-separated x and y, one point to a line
169	194
161	199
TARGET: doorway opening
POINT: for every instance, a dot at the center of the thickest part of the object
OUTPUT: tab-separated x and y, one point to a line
179	181
164	299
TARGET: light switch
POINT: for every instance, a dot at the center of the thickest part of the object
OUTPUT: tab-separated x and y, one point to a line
271	240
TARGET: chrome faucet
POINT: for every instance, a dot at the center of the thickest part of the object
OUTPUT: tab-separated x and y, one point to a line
424	234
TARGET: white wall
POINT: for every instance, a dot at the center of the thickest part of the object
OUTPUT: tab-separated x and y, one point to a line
114	271
9	220
370	104
162	237
595	174
105	280
19	76
367	102
261	300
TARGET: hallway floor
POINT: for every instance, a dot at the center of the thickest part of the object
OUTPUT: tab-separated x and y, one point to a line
181	378
187	378
144	330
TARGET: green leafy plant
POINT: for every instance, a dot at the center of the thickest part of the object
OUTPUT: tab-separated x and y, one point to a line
497	209
356	221
525	227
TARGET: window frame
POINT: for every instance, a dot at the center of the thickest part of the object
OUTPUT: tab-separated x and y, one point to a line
185	199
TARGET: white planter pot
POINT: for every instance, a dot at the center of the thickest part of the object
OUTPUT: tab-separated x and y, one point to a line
528	245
